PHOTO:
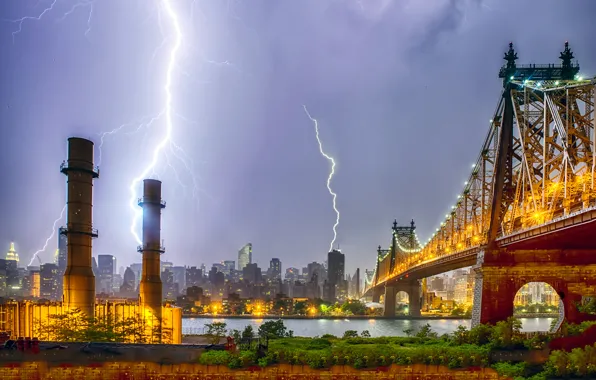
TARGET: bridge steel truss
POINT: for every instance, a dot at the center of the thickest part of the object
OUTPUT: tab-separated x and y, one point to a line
534	176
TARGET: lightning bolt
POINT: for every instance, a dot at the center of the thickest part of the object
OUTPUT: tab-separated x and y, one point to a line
166	147
329	178
83	3
167	139
45	245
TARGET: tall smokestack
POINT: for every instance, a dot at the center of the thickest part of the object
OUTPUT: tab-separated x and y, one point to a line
79	281
150	289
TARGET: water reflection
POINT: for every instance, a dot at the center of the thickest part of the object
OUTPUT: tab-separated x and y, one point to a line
337	327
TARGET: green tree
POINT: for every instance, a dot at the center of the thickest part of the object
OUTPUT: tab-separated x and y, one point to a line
248	332
480	335
300	308
350	334
236	334
280	306
216	331
426	332
353	307
506	334
460	335
75	326
274	330
365	334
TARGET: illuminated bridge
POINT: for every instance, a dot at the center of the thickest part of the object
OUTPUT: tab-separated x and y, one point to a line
528	210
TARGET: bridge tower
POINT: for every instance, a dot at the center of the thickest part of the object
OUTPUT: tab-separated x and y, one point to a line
403	242
545	150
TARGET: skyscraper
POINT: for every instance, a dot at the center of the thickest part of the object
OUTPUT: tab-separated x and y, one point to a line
336	262
245	256
12	254
275	269
48	282
106	265
229	266
62	252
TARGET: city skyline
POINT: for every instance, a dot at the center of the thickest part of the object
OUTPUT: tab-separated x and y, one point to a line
262	183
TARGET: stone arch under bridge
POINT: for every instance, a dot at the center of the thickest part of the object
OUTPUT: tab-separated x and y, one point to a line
412	289
550	297
497	284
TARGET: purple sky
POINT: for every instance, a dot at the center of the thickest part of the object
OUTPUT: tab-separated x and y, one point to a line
403	91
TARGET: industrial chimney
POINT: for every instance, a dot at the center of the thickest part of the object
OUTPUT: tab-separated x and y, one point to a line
150	288
79	281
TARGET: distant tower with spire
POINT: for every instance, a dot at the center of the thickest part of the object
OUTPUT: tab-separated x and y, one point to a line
12	253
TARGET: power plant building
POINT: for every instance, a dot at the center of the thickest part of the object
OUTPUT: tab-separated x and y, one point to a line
25	319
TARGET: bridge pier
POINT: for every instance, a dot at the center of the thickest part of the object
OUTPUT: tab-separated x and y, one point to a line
570	273
376	295
414	294
390	294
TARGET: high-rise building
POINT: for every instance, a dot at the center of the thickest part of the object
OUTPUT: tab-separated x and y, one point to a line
316	271
62	252
292	274
229	266
244	256
336	262
354	286
128	288
179	274
12	254
252	273
137	269
275	269
48	282
35	283
105	266
194	276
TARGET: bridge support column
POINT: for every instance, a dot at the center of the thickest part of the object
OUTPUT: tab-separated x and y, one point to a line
376	294
478	282
390	293
414	295
497	295
477	300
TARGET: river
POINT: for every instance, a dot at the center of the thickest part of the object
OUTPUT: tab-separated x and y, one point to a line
337	327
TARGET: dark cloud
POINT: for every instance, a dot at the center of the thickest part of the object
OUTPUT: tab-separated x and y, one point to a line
403	90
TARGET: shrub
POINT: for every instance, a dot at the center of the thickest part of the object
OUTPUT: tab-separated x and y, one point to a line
461	335
350	334
215	358
480	335
318	344
510	370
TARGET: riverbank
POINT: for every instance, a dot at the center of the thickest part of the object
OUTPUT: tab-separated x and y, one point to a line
324	317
